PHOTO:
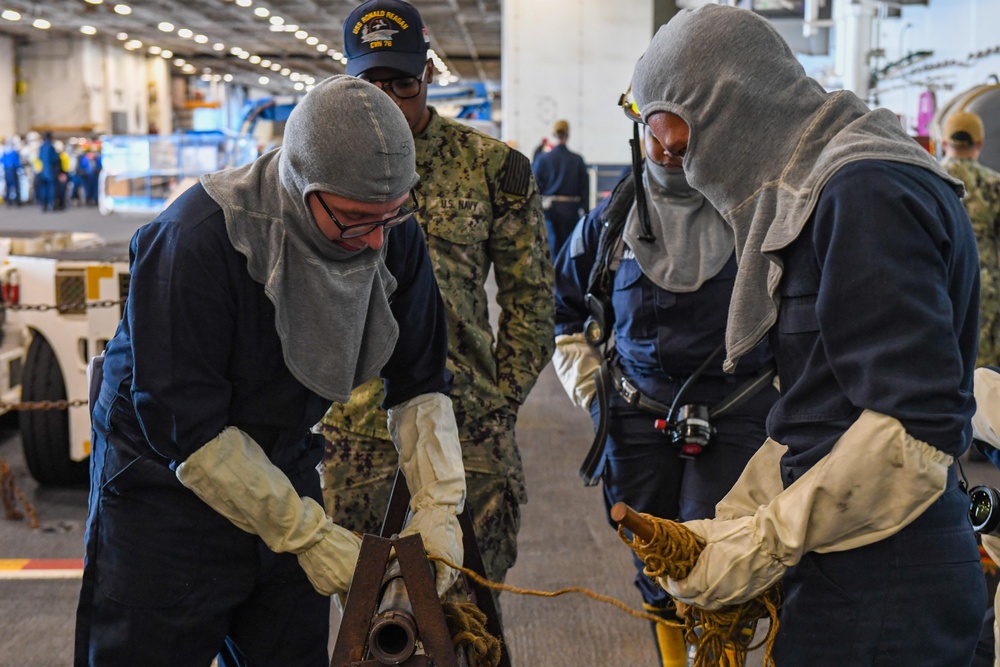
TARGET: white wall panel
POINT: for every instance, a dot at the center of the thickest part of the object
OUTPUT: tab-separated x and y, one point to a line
8	125
571	59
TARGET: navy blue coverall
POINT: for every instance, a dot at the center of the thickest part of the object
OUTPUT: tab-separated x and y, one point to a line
561	175
661	337
879	311
11	162
166	578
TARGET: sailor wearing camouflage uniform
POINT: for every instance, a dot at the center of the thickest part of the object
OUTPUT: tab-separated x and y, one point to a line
481	208
963	140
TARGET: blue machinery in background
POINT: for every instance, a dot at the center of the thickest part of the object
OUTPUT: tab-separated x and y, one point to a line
143	173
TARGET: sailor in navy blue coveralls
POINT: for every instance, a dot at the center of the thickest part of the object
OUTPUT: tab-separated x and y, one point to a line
565	188
197	352
661	337
897	218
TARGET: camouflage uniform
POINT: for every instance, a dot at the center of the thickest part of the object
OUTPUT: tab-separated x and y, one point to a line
983	206
481	208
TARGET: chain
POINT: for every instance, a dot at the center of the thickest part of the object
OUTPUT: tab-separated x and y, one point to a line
10	493
66	307
42	405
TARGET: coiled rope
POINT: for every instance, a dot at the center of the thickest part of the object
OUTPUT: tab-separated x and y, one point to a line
467	626
725	634
586	592
10	494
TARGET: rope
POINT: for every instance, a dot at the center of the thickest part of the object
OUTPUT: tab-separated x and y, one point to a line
467	625
726	634
586	592
10	493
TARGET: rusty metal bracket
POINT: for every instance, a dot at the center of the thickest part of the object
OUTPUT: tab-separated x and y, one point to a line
395	516
352	648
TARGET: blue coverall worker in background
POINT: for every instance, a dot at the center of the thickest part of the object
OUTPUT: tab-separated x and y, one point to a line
564	185
257	298
11	162
49	169
670	300
858	262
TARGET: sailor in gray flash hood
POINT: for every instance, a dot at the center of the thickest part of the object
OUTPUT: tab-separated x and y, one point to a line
858	262
725	72
257	297
346	137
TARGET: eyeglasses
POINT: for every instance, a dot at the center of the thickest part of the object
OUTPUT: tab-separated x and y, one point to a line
356	231
628	104
403	87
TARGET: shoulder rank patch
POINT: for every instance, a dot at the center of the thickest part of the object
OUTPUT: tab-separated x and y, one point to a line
516	173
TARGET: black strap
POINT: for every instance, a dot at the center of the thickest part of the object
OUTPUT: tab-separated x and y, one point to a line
593	464
744	392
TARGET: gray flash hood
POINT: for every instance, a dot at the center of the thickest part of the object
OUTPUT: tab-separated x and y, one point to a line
348	138
765	139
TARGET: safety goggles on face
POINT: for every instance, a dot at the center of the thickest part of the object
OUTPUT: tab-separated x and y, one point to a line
402	87
628	104
355	231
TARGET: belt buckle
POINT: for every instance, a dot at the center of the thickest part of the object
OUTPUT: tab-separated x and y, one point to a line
629	392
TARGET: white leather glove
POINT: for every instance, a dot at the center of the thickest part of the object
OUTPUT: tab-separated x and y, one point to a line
758	484
576	364
430	456
233	475
986	427
992	545
873	483
986	421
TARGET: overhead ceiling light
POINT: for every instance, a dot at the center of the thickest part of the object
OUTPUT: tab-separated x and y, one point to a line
41	24
254	59
188	69
155	50
184	33
322	48
88	30
301	34
166	27
236	50
312	41
263	80
285	71
122	36
10	15
228	77
337	55
95	2
275	67
262	12
265	63
166	54
207	78
218	46
243	55
216	77
180	62
276	20
133	44
244	3
299	86
201	39
124	10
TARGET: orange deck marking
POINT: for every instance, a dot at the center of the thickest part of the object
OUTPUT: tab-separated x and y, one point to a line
41	568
